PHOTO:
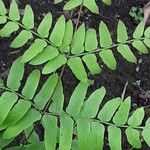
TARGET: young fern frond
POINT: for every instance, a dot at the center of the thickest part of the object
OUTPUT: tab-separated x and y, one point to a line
53	48
82	124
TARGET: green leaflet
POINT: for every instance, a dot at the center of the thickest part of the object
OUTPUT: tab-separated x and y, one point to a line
147	42
57	99
45	25
58	32
83	129
126	52
122	35
80	73
137	117
67	37
47	54
14	11
28	18
15	74
112	106
34	50
147	124
145	134
138	33
7	100
30	117
3	10
78	40
147	32
3	19
46	91
54	64
108	59
122	114
108	2
92	105
91	42
97	136
37	146
91	62
8	29
91	5
77	99
133	137
34	138
31	84
16	113
139	45
66	132
50	133
72	4
21	39
57	1
114	138
105	38
1	83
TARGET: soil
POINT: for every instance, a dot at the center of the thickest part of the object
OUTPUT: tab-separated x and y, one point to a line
137	75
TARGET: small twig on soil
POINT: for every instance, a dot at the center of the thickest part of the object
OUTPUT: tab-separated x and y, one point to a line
124	91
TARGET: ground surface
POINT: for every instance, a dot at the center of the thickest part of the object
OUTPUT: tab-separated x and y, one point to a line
114	81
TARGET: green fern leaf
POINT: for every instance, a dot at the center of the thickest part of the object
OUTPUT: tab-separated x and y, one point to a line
31	84
136	118
83	129
47	54
58	32
108	2
16	113
57	99
92	105
108	59
50	133
28	18
54	64
147	42
3	19
139	45
138	33
114	138
133	137
122	114
21	39
145	134
30	117
91	42
66	131
91	62
97	136
34	50
45	25
67	37
80	73
105	38
78	40
7	100
3	10
72	4
77	99
16	74
147	32
112	106
91	5
14	11
126	52
46	91
8	29
122	35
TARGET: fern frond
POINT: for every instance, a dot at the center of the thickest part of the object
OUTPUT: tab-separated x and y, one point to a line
82	123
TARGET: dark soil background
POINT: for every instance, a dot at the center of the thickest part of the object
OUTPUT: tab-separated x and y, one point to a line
137	75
